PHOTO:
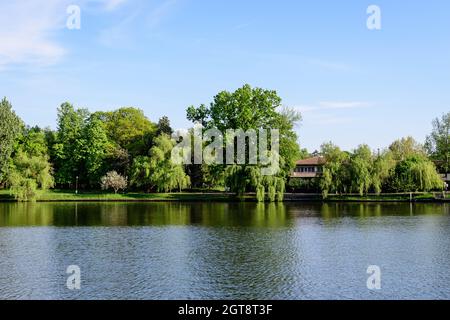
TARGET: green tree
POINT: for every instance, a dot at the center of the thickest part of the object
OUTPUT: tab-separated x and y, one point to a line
415	173
438	142
335	177
11	129
34	142
403	148
382	170
158	171
361	164
164	127
129	128
251	108
29	173
98	148
70	144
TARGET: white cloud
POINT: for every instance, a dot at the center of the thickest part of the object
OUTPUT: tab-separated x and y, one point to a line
330	112
333	105
26	30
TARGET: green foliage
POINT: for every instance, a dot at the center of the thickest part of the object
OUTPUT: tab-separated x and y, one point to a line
98	147
11	129
70	143
158	171
34	142
304	185
335	172
403	167
381	171
271	193
28	173
23	189
251	108
438	142
415	173
280	188
260	193
404	148
129	128
360	166
164	127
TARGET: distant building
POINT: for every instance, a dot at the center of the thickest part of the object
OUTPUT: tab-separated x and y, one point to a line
308	168
445	177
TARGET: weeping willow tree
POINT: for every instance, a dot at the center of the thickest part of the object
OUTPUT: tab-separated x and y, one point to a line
242	178
158	171
415	173
381	171
360	166
335	175
29	173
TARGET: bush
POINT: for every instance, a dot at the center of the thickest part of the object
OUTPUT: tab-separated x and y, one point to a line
23	189
113	180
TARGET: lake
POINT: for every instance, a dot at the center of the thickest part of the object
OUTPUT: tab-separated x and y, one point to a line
224	250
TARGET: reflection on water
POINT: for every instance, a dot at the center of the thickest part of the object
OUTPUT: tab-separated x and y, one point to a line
224	250
205	214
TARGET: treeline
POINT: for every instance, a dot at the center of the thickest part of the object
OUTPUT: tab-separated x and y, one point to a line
124	150
403	167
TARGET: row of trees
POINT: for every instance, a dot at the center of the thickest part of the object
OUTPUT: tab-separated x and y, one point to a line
123	149
403	167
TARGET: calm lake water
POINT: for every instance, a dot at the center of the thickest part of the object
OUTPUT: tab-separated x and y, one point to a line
224	250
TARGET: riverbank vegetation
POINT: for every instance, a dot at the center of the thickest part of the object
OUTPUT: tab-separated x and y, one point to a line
125	152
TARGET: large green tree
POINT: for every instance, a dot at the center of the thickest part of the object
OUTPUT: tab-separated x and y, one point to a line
335	174
129	128
438	142
415	173
361	165
11	129
158	171
70	145
97	149
30	168
251	108
403	148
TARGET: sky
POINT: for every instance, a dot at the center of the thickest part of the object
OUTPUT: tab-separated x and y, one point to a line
352	85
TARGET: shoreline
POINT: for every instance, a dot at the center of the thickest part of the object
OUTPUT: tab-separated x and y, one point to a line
63	196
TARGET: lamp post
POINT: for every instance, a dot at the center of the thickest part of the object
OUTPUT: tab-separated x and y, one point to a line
76	185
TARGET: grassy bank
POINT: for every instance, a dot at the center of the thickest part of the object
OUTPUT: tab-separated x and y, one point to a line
65	195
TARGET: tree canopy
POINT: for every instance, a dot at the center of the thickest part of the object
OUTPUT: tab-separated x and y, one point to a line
438	142
11	129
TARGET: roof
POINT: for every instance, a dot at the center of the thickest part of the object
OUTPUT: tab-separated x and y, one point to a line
314	161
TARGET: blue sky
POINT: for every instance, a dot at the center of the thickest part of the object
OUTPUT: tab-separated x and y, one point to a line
352	85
